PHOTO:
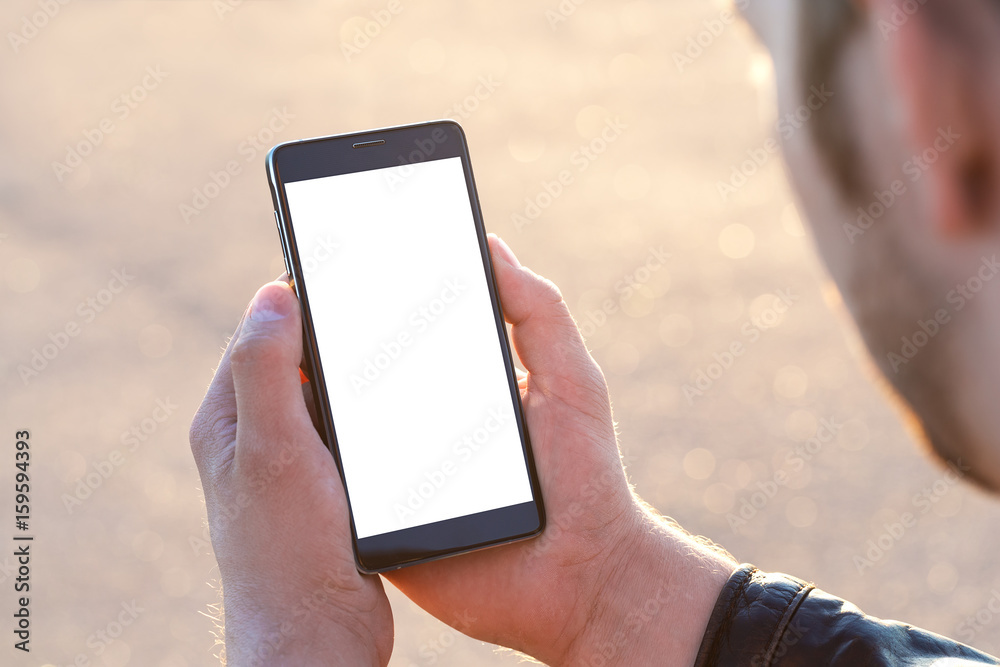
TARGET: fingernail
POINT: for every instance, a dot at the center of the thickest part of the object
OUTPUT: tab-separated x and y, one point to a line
506	252
271	303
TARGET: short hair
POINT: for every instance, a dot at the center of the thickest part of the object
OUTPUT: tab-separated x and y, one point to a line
825	28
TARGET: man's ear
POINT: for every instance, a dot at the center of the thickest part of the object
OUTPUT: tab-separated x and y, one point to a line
944	59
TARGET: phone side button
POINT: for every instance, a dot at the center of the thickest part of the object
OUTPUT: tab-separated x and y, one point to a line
284	248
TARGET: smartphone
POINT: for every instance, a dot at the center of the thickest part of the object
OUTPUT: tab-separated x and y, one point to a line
406	348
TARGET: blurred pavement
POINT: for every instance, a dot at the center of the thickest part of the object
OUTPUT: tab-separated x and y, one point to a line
161	96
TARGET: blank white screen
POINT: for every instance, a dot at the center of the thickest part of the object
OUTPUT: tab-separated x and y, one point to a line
407	338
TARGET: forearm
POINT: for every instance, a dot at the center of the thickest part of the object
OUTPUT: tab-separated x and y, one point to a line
657	601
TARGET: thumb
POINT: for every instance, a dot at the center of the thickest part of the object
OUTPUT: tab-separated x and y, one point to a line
544	333
265	366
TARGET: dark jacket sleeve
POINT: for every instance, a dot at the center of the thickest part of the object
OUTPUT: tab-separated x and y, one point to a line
774	620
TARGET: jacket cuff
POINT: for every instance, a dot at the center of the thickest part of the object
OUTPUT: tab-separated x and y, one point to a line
750	618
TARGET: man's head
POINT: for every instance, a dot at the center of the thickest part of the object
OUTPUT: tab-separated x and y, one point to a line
898	173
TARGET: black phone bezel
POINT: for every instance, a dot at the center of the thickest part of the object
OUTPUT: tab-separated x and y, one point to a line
375	149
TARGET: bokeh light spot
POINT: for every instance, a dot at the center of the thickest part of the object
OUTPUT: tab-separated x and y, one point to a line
801	511
942	578
22	275
147	546
719	498
791	222
590	120
853	435
736	241
676	330
801	425
699	463
790	382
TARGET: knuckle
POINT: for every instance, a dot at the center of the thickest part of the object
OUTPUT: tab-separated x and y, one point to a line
197	436
550	292
212	429
251	350
245	351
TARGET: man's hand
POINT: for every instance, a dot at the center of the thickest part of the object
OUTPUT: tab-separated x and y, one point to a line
276	508
607	583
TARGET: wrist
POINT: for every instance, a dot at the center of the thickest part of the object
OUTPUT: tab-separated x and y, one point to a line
659	588
315	629
289	641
